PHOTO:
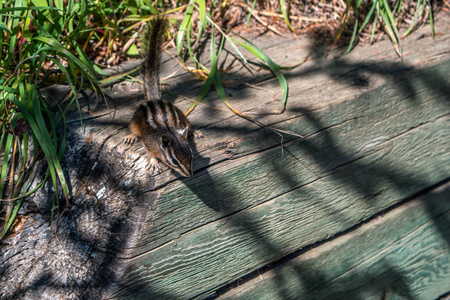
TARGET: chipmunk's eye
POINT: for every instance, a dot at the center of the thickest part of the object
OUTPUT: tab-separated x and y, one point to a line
164	142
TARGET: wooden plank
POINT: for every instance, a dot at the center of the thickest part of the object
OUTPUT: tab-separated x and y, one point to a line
200	260
402	254
338	135
368	152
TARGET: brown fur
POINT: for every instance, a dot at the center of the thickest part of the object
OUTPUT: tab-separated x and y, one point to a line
152	57
160	125
155	121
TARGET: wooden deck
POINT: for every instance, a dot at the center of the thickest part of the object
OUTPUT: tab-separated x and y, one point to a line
357	209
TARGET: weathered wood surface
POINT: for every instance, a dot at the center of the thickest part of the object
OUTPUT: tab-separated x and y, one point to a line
376	133
404	253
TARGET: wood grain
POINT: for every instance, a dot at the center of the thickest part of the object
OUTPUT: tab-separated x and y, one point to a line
214	254
402	254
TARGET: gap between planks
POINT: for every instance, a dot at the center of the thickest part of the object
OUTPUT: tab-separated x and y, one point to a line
318	178
319	248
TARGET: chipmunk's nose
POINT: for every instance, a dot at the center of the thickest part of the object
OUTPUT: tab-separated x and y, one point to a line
189	173
186	171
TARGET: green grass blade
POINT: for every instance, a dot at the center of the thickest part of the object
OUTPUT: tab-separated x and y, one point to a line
7	89
229	39
7	149
202	14
368	17
150	6
21	6
189	47
65	72
2	138
41	134
11	218
272	66
15	19
218	81
30	192
45	141
389	23
92	72
250	13
72	86
85	68
430	8
111	79
285	15
352	40
60	4
23	150
45	12
182	30
215	74
4	27
209	80
419	11
344	22
374	25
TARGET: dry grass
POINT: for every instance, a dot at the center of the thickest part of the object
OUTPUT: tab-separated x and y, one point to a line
319	20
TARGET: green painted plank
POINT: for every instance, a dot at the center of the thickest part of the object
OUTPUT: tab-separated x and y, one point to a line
201	260
418	255
405	254
344	133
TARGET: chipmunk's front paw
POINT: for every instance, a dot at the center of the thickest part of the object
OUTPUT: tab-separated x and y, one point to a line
131	139
153	166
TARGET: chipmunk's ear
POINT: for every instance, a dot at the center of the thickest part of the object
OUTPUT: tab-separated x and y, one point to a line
165	142
184	132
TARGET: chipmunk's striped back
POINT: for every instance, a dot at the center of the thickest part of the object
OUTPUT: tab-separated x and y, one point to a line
163	129
162	114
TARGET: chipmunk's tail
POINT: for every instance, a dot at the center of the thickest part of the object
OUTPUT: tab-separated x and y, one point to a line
152	57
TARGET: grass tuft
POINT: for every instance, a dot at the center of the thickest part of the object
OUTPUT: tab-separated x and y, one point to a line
38	41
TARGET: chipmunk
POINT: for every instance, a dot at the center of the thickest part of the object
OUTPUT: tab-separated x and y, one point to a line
160	125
